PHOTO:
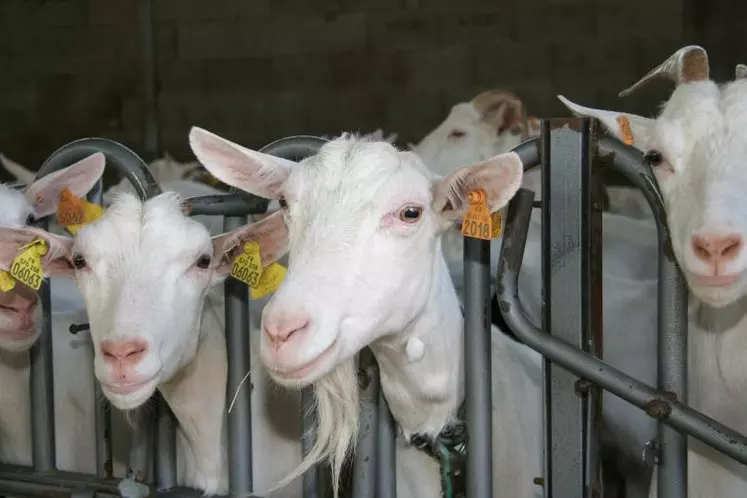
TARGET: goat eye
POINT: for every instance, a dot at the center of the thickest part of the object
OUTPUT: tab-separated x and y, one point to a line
457	134
283	203
203	261
30	219
79	262
653	157
410	214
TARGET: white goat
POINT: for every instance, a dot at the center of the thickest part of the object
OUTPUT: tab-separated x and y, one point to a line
146	273
73	389
366	268
697	147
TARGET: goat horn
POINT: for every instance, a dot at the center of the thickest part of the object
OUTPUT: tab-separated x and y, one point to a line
740	72
685	65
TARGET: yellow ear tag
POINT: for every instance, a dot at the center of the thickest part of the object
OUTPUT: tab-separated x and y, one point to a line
270	281
27	266
497	220
74	212
477	222
6	281
247	267
625	130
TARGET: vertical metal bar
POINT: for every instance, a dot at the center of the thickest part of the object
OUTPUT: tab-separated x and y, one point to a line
151	137
364	467
164	460
672	371
42	387
386	451
311	477
141	447
103	420
237	345
477	369
571	302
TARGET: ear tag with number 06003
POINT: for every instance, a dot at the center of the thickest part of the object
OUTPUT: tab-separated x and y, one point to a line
27	266
74	212
247	267
477	222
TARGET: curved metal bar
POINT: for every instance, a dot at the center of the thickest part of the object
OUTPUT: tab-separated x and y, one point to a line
123	159
240	203
672	316
655	403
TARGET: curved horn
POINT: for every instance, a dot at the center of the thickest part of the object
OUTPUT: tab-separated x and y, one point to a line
685	65
740	72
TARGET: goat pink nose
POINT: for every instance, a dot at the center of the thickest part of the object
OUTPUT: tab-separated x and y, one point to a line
129	352
280	329
717	248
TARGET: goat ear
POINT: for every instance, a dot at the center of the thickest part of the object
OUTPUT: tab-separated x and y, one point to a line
499	177
501	110
19	172
248	170
270	233
44	194
630	129
54	263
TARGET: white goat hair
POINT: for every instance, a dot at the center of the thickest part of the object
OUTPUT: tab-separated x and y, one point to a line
375	215
150	276
19	313
697	149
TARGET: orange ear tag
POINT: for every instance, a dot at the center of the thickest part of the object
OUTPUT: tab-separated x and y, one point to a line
625	130
497	220
477	222
74	212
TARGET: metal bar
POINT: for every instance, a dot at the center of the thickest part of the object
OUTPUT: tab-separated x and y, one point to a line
103	420
238	349
150	126
386	451
42	388
364	466
655	403
165	445
141	460
310	477
234	204
477	369
567	216
672	306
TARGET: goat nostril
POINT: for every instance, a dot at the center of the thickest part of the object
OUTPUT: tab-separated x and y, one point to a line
136	353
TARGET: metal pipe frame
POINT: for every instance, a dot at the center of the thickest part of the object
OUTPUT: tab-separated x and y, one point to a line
664	407
365	463
477	368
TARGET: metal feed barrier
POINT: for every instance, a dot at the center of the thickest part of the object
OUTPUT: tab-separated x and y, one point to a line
570	152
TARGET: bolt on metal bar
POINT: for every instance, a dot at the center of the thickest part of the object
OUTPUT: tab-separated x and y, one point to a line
240	468
386	451
364	466
477	368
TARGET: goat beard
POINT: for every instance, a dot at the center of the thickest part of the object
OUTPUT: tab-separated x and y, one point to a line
336	399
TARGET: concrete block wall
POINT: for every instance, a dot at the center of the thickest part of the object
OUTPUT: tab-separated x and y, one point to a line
257	70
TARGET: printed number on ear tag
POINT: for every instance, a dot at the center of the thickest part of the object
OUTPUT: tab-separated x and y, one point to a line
7	283
477	222
74	212
27	266
270	281
247	267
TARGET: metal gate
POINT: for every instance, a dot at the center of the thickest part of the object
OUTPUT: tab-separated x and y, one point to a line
570	152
